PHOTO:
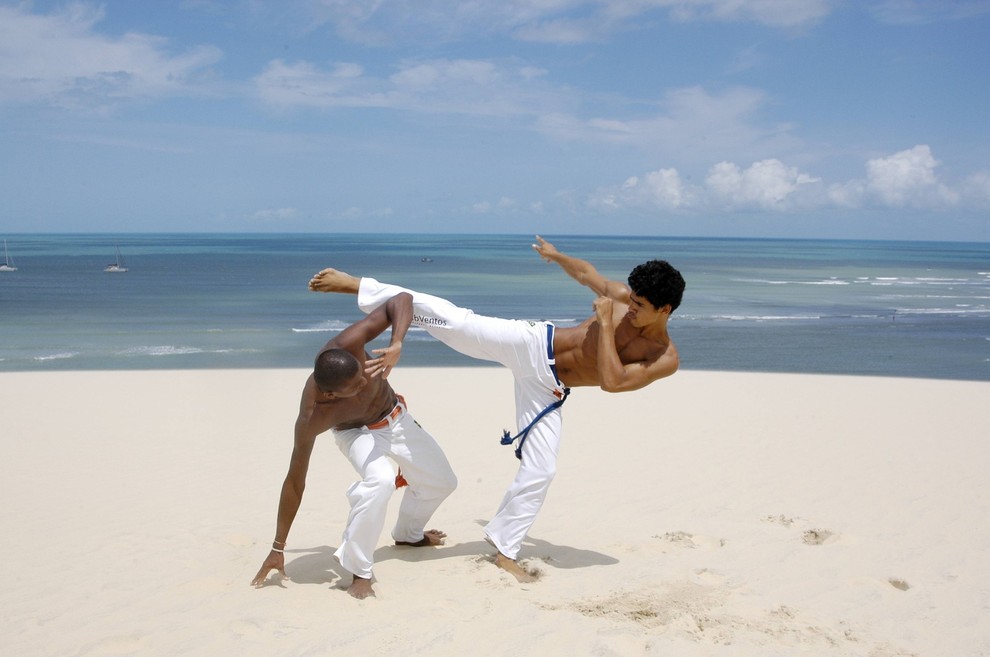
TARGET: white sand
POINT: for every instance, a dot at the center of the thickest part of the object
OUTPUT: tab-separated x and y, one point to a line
711	514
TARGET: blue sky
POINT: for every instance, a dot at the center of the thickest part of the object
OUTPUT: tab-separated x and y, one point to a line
751	118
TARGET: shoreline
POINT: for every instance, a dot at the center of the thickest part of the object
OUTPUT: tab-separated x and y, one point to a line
469	364
744	514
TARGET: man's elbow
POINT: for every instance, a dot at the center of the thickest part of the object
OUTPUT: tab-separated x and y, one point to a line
621	386
294	484
402	298
629	384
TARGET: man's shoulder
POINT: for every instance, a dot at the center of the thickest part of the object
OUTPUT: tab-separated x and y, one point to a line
666	362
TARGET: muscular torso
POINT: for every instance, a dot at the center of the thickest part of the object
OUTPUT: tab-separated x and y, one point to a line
371	404
576	348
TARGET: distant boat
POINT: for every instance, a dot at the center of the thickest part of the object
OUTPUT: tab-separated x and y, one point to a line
8	264
118	265
426	259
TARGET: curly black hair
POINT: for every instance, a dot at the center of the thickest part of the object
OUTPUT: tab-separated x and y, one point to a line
333	368
657	282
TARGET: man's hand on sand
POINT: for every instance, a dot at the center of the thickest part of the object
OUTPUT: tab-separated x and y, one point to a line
274	561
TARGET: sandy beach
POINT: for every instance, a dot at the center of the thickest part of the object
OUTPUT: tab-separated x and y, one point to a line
710	514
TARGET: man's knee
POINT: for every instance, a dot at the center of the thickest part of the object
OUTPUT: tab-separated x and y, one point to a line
378	483
381	479
440	486
538	476
449	483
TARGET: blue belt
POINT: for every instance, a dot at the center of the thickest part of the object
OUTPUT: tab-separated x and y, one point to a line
551	360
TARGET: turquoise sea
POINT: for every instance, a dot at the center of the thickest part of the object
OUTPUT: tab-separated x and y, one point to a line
914	309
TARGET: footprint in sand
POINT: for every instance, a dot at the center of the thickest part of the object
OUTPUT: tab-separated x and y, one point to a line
779	519
710	577
658	607
686	540
486	564
528	569
813	536
817	536
899	584
693	611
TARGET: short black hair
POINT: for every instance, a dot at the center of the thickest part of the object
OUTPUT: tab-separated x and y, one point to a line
657	282
333	368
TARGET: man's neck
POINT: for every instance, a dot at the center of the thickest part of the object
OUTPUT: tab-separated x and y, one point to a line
656	331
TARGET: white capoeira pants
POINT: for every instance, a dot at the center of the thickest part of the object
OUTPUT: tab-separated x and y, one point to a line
423	465
521	346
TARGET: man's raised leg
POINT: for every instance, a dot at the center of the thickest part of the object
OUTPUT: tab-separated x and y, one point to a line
332	280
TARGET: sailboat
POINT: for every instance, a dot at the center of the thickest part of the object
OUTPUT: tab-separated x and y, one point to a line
8	264
117	265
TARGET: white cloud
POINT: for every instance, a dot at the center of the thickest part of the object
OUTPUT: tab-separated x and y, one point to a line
767	184
303	84
976	190
275	214
694	125
430	76
504	204
847	195
906	179
355	212
775	13
546	21
663	188
462	86
906	12
59	58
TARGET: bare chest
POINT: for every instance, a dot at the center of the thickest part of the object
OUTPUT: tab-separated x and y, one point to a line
630	345
352	412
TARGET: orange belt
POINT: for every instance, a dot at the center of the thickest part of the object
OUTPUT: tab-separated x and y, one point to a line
385	421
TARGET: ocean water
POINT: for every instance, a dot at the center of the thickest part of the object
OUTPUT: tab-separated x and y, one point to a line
190	301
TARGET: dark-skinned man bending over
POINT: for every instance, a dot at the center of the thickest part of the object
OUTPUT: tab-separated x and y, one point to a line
349	395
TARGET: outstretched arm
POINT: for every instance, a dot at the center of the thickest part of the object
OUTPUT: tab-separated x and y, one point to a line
399	312
292	489
582	271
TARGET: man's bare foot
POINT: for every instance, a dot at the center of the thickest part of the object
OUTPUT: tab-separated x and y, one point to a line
360	588
331	280
513	568
430	537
